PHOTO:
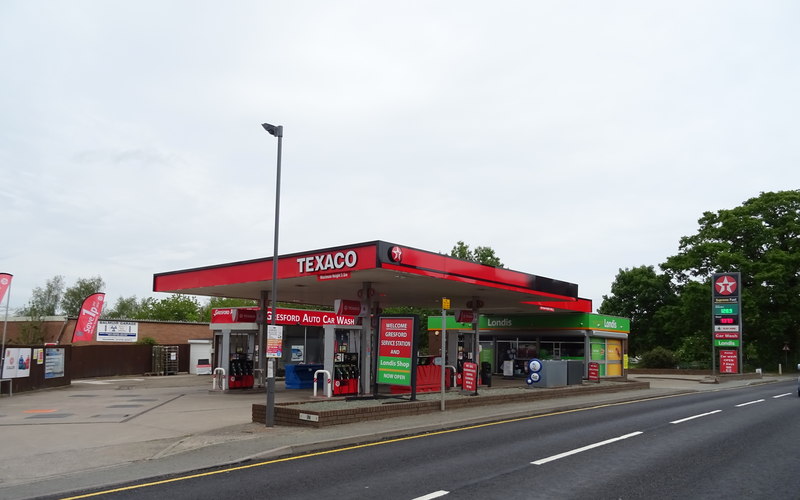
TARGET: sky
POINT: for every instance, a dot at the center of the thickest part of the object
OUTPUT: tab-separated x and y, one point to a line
575	138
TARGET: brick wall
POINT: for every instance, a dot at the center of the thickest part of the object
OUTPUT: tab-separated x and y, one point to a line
164	332
290	415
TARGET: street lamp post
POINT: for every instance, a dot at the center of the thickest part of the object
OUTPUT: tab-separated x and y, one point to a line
276	131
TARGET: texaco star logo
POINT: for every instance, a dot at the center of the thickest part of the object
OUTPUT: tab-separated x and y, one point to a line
725	285
396	254
4	281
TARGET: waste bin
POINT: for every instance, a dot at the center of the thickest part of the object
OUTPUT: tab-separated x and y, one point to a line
486	373
574	372
301	376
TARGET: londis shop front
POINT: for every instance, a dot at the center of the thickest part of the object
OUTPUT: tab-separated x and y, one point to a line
509	342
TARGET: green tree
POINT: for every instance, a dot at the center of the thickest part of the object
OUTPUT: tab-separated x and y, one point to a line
176	307
45	301
639	294
125	308
760	239
75	295
481	255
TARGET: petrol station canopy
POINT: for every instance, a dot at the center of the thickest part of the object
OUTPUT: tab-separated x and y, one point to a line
396	275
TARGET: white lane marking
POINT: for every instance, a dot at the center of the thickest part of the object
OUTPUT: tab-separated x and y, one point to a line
435	494
694	417
782	395
750	403
589	447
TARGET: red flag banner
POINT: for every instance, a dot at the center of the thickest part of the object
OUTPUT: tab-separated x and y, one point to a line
87	319
5	284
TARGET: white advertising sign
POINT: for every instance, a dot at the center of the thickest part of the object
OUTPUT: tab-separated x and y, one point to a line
117	331
17	362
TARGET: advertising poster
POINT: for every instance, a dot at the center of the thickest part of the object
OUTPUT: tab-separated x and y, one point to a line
470	376
54	363
395	349
274	341
87	318
9	363
17	362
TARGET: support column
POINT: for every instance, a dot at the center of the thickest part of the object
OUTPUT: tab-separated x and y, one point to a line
587	352
262	338
329	341
367	351
225	354
476	303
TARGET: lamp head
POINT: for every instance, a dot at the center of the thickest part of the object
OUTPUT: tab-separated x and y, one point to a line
274	130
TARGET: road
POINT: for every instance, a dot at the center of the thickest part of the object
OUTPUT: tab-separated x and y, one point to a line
722	444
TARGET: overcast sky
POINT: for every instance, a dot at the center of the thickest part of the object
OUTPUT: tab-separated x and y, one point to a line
575	138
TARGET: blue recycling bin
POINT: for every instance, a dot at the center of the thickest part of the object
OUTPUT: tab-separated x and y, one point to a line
301	376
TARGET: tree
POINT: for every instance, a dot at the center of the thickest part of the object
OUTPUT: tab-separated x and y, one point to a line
639	294
124	308
45	301
761	240
77	293
481	255
176	307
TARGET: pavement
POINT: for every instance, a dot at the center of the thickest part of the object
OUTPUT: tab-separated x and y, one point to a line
102	432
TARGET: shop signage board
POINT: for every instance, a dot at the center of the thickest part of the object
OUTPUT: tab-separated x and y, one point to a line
727	318
470	377
303	317
728	361
117	331
395	350
576	321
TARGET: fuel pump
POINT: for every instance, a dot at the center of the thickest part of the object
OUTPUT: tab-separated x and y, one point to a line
345	368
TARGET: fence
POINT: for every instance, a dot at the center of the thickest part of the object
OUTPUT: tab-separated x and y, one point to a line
68	362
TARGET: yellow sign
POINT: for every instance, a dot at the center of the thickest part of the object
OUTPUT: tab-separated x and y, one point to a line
445	303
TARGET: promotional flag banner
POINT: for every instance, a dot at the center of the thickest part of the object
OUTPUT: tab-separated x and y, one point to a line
5	283
87	319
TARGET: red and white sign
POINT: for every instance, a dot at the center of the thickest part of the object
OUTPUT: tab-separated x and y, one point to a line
726	335
728	362
725	285
302	317
349	307
5	284
594	371
396	254
333	261
396	337
87	319
470	376
466	316
334	276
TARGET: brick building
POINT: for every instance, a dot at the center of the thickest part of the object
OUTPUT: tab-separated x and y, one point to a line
58	330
